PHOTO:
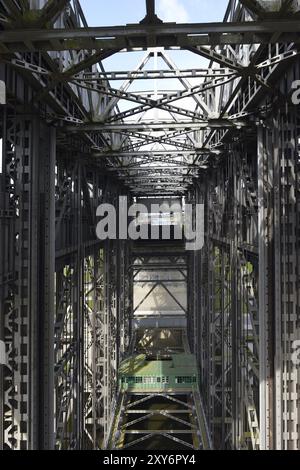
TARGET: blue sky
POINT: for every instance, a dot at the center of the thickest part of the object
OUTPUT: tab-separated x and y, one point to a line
117	12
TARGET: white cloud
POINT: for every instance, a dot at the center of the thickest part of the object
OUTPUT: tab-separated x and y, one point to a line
172	10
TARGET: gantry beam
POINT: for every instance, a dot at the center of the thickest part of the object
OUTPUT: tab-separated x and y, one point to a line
167	35
157	179
156	126
155	74
154	168
153	153
154	173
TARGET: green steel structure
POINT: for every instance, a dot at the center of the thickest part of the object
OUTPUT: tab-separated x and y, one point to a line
174	373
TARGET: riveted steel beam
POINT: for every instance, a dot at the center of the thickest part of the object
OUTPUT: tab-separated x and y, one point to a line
137	36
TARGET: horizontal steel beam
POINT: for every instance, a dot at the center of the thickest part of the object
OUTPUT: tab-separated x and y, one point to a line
154	153
155	126
151	190
154	171
161	186
157	161
157	187
166	172
157	177
159	180
154	74
130	37
149	168
158	432
151	193
158	411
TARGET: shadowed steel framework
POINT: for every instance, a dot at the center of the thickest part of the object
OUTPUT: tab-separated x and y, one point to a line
66	298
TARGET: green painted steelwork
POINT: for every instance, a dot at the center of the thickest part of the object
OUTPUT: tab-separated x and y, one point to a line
147	373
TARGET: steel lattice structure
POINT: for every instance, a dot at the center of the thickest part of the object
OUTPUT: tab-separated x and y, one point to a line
69	143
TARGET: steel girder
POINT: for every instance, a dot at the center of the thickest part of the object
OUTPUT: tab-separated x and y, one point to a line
142	36
186	126
154	74
154	153
28	173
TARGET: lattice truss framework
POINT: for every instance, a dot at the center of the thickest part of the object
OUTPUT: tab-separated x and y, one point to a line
68	145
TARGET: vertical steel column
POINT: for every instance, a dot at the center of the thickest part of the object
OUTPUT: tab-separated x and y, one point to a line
277	219
193	287
108	358
123	293
7	217
287	254
79	345
29	159
265	271
278	291
45	275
